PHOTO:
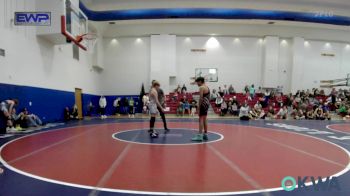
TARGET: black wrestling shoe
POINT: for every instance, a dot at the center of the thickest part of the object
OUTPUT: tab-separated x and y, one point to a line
167	130
205	137
154	135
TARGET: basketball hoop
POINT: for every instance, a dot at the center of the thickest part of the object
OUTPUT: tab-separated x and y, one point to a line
89	39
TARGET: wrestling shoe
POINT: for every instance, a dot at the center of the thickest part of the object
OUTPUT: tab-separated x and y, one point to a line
205	137
154	135
197	138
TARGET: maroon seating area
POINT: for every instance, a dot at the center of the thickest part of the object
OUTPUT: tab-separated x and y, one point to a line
173	99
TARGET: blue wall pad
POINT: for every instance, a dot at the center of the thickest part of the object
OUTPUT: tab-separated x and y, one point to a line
214	13
49	104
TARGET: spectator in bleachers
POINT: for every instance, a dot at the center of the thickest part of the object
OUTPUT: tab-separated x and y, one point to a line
258	106
184	89
310	114
246	89
271	112
6	108
300	115
220	91
193	107
319	113
279	100
223	108
235	101
231	90
282	113
267	96
234	109
326	110
186	107
213	95
244	112
179	110
218	101
252	91
225	90
178	89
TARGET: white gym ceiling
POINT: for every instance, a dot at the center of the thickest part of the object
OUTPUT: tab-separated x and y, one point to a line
339	7
188	27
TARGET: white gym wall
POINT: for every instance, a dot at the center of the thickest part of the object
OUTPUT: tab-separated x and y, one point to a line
33	61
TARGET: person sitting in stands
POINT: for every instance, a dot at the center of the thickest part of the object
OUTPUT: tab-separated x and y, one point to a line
244	112
218	101
267	96
175	96
310	114
30	120
271	112
258	106
213	95
234	100
300	115
326	110
279	100
186	108
342	111
179	110
193	108
319	113
234	109
6	108
282	113
231	90
220	91
223	109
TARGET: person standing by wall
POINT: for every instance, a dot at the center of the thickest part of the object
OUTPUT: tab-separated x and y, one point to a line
103	105
131	108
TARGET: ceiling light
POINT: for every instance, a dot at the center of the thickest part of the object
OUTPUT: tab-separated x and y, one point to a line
212	43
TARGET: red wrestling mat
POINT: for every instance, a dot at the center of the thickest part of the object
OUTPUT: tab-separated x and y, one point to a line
247	159
340	127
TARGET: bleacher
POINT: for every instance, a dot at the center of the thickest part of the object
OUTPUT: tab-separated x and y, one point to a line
173	102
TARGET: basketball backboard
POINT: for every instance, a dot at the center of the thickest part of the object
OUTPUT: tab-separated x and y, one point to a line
74	23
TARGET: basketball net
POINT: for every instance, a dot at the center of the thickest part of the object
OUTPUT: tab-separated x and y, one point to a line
89	40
